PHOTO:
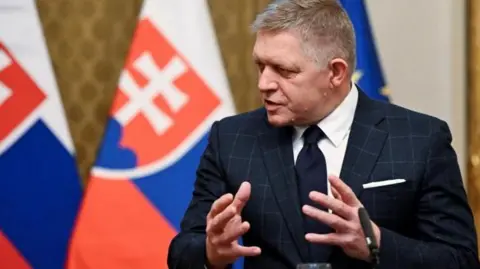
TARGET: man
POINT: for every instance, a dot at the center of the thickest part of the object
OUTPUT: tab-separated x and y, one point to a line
263	175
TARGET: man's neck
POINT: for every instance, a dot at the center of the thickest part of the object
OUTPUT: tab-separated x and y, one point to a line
337	98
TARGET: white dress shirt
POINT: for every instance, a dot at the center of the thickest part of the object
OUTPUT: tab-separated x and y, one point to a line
336	127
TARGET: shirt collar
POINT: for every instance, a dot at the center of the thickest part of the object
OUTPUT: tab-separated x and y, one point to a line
337	124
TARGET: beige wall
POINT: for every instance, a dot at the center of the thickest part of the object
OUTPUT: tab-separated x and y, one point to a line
422	46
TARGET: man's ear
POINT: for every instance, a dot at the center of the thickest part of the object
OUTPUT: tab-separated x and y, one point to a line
338	72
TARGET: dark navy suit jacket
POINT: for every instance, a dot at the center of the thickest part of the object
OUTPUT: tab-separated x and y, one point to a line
425	222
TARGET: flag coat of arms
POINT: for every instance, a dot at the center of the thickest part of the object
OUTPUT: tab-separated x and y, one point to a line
172	88
39	186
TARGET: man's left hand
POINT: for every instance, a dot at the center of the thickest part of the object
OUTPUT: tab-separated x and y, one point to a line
343	219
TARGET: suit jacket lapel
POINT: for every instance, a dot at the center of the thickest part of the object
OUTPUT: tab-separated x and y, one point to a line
365	143
276	144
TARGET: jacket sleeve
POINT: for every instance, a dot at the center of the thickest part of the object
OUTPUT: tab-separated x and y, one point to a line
187	249
446	236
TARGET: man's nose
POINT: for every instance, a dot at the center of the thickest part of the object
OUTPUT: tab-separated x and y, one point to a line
267	80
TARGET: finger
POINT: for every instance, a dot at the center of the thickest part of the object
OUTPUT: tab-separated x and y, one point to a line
219	205
331	220
242	196
240	250
233	233
337	206
218	223
329	239
344	190
336	194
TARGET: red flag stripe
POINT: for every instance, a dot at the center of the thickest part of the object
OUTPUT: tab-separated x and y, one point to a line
116	212
10	257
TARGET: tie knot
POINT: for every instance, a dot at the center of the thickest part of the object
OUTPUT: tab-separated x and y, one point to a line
313	134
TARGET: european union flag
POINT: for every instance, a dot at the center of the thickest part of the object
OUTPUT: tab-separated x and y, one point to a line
368	75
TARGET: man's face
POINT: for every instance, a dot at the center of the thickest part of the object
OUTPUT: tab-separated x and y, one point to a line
293	88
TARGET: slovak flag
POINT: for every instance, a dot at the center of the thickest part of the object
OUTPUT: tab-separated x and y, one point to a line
40	189
171	89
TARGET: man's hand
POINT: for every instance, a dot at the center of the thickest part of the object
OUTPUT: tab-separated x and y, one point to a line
225	226
343	219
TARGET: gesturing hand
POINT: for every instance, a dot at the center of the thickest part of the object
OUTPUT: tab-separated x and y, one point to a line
225	226
344	220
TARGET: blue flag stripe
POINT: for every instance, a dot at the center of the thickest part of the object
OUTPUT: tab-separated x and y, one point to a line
39	197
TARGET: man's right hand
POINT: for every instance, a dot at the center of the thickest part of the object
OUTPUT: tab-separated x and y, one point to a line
225	226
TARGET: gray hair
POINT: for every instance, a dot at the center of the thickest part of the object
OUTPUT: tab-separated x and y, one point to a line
323	25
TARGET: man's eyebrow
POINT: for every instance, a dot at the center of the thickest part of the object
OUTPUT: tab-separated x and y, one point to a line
282	64
255	58
265	61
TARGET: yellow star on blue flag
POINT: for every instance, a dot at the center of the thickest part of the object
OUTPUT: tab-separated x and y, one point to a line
368	75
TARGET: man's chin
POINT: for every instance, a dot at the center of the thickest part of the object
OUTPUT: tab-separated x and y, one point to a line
278	120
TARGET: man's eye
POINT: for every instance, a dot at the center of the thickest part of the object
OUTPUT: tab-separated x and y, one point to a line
260	67
284	72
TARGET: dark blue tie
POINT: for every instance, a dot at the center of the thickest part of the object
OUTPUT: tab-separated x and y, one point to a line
311	170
